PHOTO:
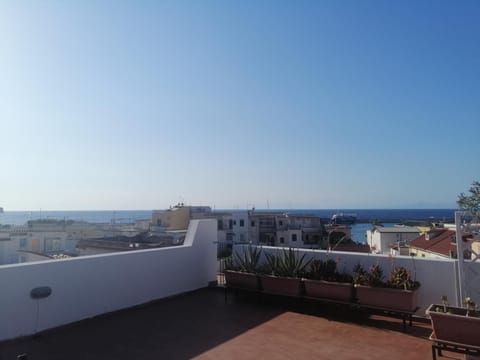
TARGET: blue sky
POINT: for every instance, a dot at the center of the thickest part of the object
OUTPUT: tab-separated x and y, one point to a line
294	104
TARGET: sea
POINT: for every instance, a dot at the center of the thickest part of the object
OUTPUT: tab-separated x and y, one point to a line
364	216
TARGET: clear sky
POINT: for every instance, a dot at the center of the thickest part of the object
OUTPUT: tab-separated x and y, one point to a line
294	104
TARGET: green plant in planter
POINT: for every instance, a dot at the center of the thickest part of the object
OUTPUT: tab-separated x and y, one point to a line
455	324
241	269
288	264
359	274
445	303
327	271
246	261
372	277
471	306
375	276
400	278
229	264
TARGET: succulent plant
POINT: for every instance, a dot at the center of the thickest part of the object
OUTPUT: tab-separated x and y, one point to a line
327	270
246	261
400	278
288	264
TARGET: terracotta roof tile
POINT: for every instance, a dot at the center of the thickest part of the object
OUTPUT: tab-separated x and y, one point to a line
440	242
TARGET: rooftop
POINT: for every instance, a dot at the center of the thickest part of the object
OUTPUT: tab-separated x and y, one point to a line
441	242
201	325
397	229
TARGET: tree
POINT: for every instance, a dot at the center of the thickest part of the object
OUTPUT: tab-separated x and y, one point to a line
471	202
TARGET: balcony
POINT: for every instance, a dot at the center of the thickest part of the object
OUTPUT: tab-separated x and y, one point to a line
201	325
151	304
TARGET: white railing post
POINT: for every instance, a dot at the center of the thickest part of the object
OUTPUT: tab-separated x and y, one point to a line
460	260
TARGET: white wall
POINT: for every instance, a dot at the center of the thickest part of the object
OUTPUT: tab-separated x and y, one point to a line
382	240
87	286
436	277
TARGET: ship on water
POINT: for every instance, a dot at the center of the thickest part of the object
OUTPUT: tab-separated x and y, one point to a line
344	218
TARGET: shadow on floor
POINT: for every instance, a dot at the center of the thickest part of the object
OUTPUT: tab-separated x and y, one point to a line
190	325
176	328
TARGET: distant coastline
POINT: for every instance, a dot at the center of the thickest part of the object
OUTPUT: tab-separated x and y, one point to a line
365	216
129	216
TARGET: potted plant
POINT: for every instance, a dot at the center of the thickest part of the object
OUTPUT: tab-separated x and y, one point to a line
283	273
455	324
241	269
399	293
323	281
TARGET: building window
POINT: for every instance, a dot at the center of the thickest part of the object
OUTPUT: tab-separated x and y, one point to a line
252	223
282	240
280	223
23	243
53	244
242	222
242	238
294	237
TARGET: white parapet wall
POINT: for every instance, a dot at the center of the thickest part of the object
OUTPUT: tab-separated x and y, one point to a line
84	287
437	277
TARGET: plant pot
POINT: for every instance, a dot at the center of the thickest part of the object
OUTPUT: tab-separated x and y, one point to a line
242	280
454	325
281	285
328	290
392	299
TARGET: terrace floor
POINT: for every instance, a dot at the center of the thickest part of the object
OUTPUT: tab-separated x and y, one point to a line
201	325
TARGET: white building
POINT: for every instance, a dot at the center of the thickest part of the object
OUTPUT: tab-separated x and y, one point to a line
271	228
43	239
382	238
233	227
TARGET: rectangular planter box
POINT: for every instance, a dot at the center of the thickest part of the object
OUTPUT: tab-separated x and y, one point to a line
455	326
242	280
328	290
393	299
281	285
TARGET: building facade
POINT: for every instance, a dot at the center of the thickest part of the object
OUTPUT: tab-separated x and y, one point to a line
382	239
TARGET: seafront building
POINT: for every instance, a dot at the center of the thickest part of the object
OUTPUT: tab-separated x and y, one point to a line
42	239
257	227
268	228
140	241
435	242
440	243
178	217
49	239
46	239
386	239
271	228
